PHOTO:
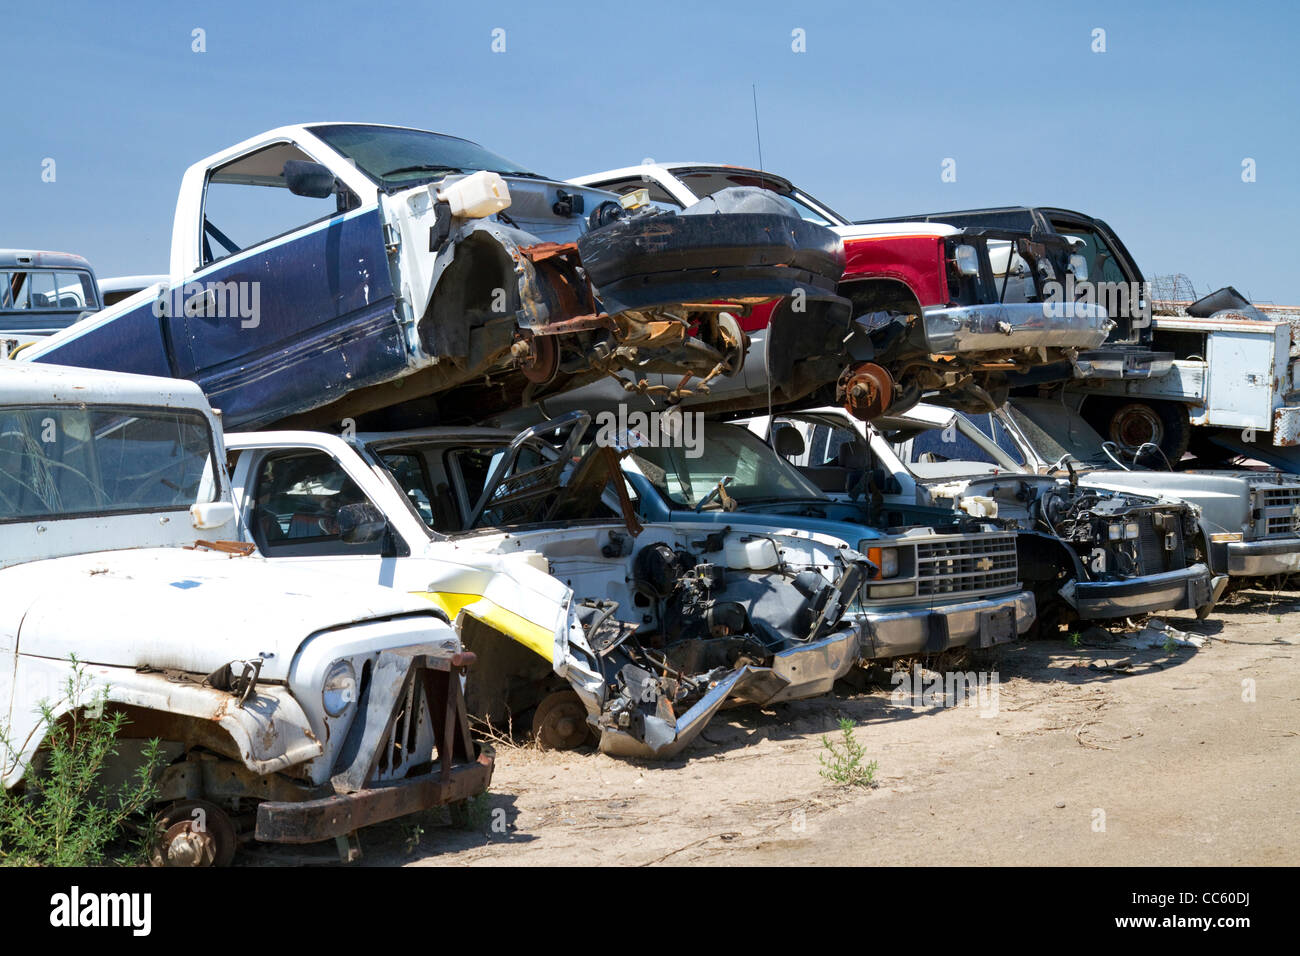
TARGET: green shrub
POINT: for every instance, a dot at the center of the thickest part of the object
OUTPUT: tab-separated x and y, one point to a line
65	815
842	762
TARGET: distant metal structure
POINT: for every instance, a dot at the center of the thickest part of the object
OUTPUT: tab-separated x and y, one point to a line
1172	294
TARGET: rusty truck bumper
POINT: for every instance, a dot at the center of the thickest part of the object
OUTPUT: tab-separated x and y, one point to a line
311	821
411	689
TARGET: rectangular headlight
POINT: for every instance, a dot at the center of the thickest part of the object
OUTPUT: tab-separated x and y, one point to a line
1131	530
882	591
1114	532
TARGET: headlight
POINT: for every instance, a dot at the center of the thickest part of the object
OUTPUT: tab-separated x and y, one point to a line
340	690
1114	531
886	559
1131	530
882	591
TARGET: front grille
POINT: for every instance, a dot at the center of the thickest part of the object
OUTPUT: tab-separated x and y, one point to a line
1279	509
966	565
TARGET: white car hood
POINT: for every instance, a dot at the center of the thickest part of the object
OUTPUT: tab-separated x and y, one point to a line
171	608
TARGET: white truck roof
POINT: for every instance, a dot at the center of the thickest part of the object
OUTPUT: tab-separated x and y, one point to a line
25	383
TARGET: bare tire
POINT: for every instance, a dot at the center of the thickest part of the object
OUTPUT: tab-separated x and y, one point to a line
1133	424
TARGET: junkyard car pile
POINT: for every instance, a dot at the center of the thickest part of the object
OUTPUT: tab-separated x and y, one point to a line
458	476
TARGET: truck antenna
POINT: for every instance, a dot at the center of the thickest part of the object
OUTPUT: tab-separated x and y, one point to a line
757	133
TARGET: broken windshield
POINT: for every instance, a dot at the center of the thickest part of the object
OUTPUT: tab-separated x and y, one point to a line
396	158
1056	432
687	476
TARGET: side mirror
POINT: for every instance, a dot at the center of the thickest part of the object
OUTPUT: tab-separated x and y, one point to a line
360	523
207	515
311	180
967	260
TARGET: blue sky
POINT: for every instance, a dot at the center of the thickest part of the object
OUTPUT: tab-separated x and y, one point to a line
1149	135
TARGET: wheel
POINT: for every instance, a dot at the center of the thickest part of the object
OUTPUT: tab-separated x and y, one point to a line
560	722
1133	424
194	833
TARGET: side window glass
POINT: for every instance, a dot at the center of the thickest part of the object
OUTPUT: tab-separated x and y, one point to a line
296	505
1102	266
992	426
247	202
933	445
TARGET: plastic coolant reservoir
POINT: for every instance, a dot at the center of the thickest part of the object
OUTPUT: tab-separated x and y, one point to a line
754	554
477	195
979	506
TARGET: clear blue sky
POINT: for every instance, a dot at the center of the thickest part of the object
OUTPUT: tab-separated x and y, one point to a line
1149	135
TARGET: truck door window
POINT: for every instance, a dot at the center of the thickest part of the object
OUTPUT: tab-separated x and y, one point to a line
297	498
1102	264
247	202
938	445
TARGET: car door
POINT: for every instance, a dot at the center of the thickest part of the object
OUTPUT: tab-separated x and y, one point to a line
292	297
292	498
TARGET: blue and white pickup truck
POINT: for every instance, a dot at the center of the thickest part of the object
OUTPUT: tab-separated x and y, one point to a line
321	272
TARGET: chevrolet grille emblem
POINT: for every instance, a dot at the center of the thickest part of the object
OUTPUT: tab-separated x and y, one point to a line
984	564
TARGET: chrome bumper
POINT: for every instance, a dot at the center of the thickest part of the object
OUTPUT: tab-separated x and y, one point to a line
1258	558
805	671
991	328
1182	590
933	629
1125	363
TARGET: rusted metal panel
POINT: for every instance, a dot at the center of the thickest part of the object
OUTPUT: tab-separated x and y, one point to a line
1286	426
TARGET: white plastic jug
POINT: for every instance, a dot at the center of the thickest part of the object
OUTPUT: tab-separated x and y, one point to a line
478	195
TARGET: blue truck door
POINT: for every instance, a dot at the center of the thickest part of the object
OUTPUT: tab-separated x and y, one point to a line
282	324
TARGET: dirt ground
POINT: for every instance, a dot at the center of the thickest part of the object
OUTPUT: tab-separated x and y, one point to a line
1091	752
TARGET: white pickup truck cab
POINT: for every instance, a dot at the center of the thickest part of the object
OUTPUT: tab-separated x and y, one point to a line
290	708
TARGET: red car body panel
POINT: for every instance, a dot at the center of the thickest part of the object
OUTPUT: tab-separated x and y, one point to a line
916	261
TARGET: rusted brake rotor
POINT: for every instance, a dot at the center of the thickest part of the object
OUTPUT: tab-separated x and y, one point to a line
865	390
